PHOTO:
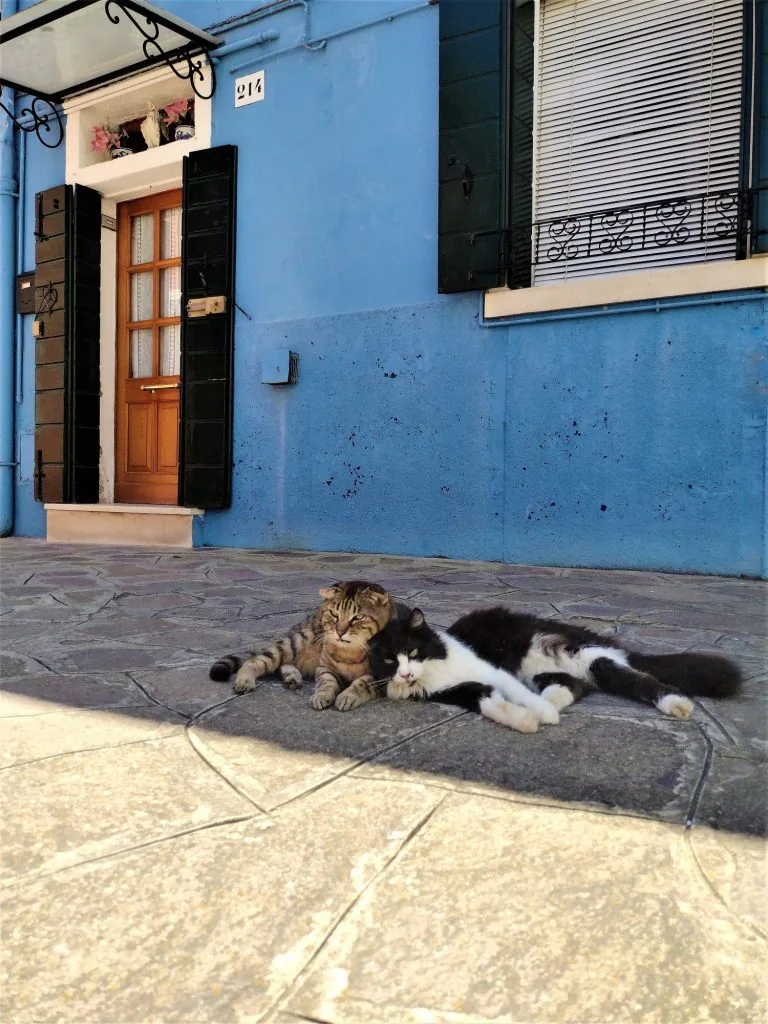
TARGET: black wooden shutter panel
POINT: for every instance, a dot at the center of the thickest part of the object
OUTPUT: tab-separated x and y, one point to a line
67	282
486	101
52	216
518	251
84	383
207	343
760	222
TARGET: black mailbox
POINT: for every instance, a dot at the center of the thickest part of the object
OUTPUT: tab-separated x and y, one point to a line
25	293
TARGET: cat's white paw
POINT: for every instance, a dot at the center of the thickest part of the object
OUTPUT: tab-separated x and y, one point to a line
676	705
398	689
292	678
546	712
513	716
245	680
557	695
521	719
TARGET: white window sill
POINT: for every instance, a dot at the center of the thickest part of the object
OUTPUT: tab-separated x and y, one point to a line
698	279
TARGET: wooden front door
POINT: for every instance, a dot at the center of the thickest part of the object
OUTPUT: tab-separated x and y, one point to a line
148	349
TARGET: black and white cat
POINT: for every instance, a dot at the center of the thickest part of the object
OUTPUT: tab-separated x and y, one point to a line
485	659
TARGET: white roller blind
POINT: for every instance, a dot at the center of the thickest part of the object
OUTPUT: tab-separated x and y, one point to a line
638	101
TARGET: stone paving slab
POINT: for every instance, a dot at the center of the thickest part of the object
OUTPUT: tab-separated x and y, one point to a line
604	923
67	810
50	693
30	738
176	853
275	747
211	927
587	758
736	795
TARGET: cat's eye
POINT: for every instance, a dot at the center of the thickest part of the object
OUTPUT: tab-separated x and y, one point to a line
389	661
356	618
334	615
412	654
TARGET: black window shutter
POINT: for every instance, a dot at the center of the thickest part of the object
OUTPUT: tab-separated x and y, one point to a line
518	252
760	122
486	121
67	281
84	382
207	349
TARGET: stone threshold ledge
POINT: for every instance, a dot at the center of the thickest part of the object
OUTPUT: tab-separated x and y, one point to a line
142	525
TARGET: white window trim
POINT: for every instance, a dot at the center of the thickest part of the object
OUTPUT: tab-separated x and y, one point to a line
152	171
696	279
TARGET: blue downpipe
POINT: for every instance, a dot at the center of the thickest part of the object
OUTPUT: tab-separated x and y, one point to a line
8	197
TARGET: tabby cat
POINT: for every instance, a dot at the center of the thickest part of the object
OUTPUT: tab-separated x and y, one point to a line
461	665
331	644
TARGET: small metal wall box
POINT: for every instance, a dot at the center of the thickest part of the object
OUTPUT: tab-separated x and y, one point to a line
208	306
279	366
25	293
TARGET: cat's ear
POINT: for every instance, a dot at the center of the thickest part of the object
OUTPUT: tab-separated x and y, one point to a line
416	620
376	596
328	593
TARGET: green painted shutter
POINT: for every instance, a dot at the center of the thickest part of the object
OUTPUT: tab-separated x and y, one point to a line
67	281
207	349
486	132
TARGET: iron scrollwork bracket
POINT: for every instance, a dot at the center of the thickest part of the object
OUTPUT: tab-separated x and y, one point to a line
45	120
48	301
182	62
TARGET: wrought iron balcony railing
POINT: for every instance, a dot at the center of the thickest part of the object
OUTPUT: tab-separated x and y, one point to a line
660	224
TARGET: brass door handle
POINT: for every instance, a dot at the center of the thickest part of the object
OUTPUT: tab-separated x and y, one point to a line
159	387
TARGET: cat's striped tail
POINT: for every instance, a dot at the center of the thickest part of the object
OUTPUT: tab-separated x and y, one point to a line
691	673
259	663
225	667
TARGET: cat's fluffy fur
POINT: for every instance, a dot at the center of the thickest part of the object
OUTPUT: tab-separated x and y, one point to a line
561	660
424	662
331	645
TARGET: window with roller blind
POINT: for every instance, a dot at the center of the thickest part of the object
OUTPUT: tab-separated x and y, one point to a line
637	135
581	139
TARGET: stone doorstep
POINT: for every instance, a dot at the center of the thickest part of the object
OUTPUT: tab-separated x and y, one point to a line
140	525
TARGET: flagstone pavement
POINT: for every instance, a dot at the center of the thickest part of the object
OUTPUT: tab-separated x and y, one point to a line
172	852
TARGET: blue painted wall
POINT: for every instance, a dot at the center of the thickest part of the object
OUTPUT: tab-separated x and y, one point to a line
44	169
636	439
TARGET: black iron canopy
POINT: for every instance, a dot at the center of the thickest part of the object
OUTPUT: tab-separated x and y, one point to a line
59	48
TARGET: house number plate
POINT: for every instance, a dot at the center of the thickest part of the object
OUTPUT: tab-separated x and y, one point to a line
249	89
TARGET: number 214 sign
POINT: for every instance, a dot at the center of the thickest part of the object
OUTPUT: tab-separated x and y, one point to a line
249	89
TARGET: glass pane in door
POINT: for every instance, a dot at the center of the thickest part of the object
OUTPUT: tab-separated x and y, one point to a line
141	352
170	351
143	238
170	291
170	233
141	296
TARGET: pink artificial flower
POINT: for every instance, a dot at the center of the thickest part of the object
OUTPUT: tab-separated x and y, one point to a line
175	111
105	138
